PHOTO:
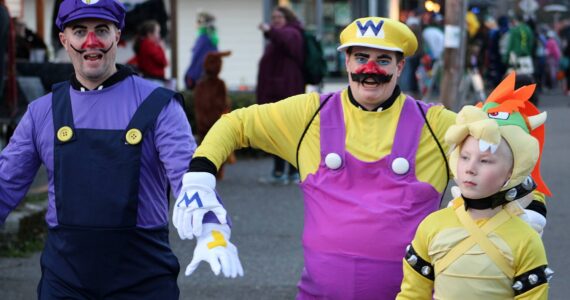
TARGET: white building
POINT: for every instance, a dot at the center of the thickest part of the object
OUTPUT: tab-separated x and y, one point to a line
237	23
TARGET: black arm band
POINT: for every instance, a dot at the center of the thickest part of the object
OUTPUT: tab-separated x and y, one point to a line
420	265
531	279
202	164
537	206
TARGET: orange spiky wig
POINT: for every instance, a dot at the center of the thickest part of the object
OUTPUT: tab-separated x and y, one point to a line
512	107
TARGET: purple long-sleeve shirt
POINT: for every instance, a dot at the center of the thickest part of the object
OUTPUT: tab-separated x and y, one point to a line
166	150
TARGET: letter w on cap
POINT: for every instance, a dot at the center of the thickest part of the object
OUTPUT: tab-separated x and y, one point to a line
369	29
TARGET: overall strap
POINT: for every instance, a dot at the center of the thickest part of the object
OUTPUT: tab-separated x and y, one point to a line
150	108
332	129
61	108
408	132
323	99
478	236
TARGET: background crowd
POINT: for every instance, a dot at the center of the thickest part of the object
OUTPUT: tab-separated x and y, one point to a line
540	51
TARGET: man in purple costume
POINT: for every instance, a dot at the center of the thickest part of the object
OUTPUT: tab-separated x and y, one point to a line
112	143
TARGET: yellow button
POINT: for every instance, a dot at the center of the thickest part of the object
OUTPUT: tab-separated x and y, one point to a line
64	134
134	136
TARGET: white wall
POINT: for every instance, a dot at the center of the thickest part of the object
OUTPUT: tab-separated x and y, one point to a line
29	18
14	7
237	23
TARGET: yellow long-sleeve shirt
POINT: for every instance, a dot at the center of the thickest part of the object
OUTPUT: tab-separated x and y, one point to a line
277	128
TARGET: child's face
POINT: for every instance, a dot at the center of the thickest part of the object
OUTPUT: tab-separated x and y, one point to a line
482	174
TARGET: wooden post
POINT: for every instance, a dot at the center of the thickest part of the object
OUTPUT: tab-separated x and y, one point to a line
454	55
174	38
40	19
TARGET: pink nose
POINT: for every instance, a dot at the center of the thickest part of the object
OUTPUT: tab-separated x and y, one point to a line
92	42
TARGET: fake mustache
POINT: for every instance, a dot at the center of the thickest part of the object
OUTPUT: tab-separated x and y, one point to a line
370	71
81	51
377	78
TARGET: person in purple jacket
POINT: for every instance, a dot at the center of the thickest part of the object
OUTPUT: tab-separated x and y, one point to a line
206	42
112	144
281	74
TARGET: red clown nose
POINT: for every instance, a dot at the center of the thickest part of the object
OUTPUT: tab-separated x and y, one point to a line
92	42
370	68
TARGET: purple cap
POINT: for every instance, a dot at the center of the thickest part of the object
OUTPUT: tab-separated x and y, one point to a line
71	10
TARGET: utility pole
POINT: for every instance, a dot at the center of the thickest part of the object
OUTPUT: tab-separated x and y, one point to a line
174	38
40	19
454	54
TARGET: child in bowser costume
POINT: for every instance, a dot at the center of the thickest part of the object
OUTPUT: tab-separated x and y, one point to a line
504	100
479	248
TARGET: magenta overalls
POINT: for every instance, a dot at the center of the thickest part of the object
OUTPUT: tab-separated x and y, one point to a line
360	217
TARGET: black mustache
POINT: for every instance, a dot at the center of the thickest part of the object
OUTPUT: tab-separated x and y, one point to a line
378	78
81	51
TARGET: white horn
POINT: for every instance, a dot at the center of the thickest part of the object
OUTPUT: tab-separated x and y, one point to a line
537	120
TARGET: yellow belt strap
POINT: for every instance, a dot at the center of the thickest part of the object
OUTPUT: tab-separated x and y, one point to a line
477	236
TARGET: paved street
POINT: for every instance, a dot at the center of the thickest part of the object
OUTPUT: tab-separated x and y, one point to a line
268	222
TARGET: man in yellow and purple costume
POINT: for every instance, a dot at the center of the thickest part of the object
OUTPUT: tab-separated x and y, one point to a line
372	164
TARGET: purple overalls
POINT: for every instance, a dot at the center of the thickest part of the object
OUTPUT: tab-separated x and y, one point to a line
360	216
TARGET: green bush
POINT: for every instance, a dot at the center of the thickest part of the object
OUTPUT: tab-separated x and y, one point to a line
31	233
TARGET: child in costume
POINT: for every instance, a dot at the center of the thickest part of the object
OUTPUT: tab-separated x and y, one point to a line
505	100
480	247
211	99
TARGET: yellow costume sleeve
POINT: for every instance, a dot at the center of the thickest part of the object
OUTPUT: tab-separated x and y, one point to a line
414	285
274	128
538	196
531	255
528	251
538	293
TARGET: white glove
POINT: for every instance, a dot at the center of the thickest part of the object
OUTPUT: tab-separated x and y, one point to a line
214	246
197	197
535	220
455	193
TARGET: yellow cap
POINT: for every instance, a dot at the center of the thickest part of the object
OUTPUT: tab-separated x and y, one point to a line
379	33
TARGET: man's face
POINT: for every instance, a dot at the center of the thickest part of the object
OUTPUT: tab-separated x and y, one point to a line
92	46
370	92
482	174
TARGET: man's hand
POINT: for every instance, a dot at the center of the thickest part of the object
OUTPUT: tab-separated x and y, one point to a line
197	197
264	27
214	247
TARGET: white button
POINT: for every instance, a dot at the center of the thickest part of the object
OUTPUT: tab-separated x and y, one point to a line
379	109
333	161
400	166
